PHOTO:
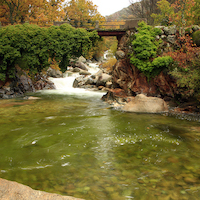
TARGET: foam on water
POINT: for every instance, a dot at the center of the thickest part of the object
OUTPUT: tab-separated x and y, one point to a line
65	85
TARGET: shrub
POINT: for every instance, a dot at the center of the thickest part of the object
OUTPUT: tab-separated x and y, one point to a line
145	47
31	46
186	66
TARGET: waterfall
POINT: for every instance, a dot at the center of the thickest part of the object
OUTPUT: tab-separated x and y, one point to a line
65	85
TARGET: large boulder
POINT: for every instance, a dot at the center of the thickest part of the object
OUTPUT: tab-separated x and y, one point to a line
103	79
81	65
55	73
82	59
10	190
196	38
44	84
120	54
22	82
144	104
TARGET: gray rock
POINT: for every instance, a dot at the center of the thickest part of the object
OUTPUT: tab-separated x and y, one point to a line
90	81
82	59
120	55
6	88
2	91
10	190
78	82
170	30
81	65
5	96
157	37
163	37
171	39
76	69
195	28
108	84
83	72
103	79
144	104
160	27
23	82
54	73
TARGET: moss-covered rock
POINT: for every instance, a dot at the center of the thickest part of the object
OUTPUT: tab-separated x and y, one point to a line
196	37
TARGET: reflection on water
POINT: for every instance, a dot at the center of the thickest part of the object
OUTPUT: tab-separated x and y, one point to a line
75	145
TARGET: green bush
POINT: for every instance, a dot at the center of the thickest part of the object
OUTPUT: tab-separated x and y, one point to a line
31	46
145	47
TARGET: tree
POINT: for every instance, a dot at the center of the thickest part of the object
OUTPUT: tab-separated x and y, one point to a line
180	13
13	10
44	12
184	13
196	10
34	11
144	9
80	13
166	12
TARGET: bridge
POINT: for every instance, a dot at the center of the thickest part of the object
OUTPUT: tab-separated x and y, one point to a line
112	28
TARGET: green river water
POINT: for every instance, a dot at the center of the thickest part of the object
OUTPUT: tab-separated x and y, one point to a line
75	145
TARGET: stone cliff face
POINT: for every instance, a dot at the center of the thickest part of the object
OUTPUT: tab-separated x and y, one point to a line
128	78
133	82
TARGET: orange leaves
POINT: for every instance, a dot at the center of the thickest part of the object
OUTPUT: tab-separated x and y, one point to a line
180	13
79	12
34	11
187	52
183	12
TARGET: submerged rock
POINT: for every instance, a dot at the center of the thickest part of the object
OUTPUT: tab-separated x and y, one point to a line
13	190
144	104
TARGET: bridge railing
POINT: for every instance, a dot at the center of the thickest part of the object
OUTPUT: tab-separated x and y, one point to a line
93	24
124	24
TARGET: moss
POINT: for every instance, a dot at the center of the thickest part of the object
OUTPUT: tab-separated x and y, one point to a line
196	37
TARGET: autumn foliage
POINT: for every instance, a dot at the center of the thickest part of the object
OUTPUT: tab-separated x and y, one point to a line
41	12
82	13
180	13
186	53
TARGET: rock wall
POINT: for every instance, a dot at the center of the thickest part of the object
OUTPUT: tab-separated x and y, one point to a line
133	82
128	78
22	83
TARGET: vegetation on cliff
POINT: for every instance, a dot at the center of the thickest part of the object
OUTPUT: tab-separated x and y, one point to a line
145	47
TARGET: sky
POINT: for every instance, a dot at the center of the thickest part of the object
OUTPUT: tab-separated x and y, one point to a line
108	7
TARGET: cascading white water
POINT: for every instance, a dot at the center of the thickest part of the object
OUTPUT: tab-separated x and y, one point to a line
65	85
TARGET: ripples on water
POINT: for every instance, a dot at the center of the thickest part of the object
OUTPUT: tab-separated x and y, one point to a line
75	145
